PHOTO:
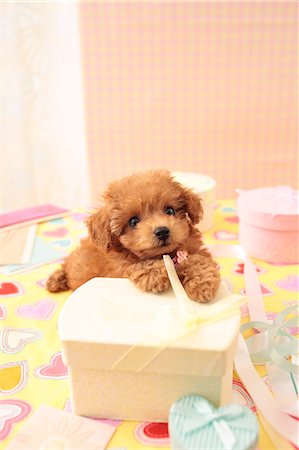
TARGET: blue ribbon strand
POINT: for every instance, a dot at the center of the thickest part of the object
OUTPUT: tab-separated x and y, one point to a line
276	350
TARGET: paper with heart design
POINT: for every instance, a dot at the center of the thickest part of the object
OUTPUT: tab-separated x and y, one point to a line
13	377
54	370
13	340
10	289
41	310
11	412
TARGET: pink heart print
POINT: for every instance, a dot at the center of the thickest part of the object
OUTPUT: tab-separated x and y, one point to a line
291	283
42	282
42	310
56	369
11	411
10	289
232	219
152	433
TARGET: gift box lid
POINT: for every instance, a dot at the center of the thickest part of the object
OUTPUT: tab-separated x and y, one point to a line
109	324
274	208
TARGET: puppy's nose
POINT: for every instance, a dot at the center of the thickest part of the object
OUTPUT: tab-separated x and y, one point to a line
162	233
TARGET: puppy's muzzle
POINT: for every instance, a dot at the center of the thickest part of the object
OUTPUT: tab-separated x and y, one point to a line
162	233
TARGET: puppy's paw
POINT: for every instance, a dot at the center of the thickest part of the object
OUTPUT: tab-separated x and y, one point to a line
57	281
201	290
154	280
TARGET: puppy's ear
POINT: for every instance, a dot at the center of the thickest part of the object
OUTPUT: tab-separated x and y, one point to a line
193	205
98	225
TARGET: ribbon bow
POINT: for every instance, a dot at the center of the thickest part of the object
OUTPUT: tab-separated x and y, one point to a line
201	413
274	343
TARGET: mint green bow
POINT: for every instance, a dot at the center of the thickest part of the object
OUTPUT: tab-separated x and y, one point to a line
278	343
198	418
230	423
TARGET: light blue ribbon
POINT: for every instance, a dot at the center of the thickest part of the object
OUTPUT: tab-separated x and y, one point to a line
275	351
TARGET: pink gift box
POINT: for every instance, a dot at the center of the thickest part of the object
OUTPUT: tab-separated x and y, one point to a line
269	224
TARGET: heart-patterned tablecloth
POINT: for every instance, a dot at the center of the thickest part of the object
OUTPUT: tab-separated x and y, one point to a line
31	368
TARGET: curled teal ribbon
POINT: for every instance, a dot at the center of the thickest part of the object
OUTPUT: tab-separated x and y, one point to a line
275	349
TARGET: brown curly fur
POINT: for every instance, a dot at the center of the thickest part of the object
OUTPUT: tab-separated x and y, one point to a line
115	249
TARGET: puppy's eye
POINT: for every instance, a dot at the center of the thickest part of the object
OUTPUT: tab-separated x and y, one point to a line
133	221
170	211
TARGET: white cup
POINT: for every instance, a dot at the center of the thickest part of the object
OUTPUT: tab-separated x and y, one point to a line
205	186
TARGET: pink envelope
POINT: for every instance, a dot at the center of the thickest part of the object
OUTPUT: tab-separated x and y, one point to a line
51	428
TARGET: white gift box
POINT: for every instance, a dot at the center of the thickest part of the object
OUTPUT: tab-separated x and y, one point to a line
128	356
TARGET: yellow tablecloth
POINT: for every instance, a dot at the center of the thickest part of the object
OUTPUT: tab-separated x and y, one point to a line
31	369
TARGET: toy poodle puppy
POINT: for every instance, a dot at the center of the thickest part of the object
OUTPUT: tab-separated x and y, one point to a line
144	216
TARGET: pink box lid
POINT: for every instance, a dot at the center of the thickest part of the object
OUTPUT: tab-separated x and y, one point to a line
274	208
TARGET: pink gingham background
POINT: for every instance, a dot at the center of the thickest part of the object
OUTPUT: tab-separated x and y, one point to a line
206	87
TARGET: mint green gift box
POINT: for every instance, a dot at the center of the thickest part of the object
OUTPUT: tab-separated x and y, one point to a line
195	424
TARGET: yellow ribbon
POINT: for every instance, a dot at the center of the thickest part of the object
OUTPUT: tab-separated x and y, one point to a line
170	326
